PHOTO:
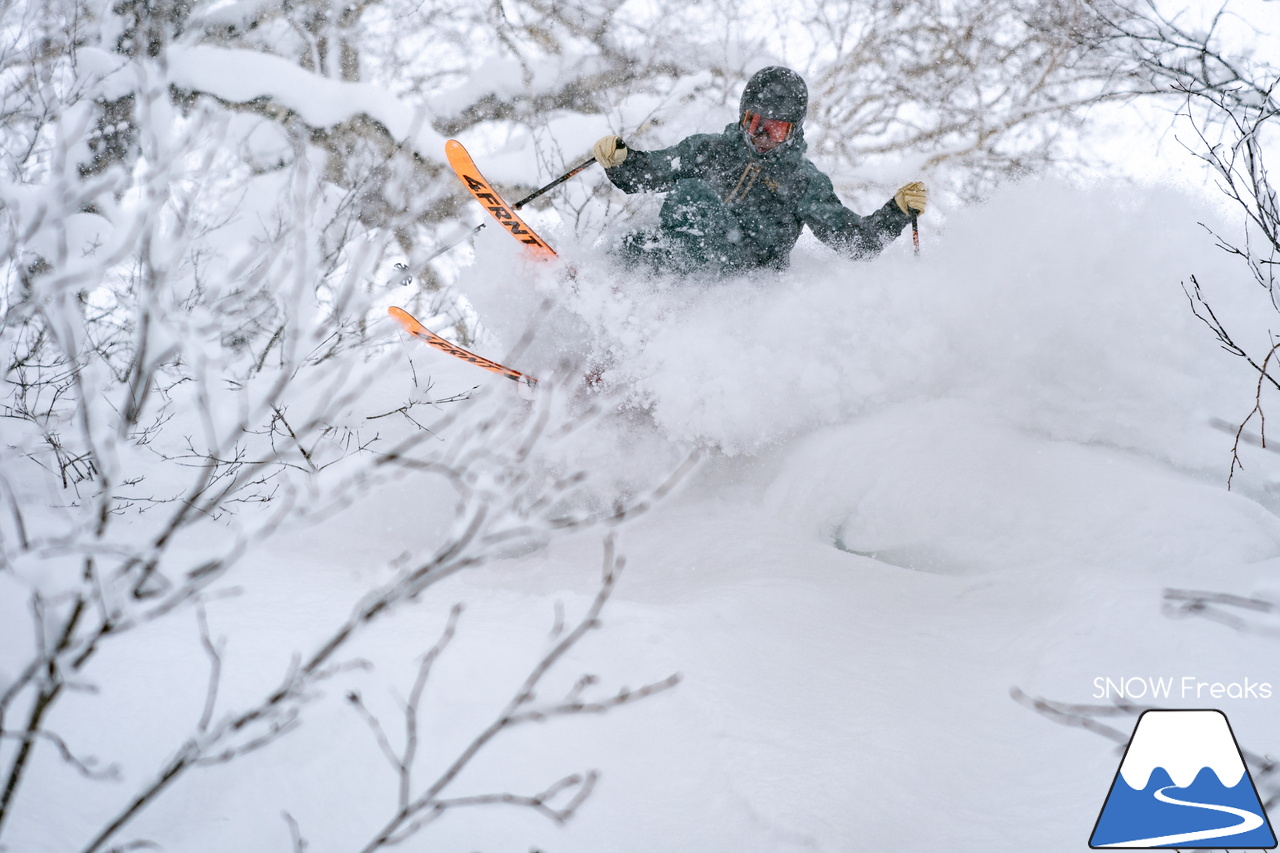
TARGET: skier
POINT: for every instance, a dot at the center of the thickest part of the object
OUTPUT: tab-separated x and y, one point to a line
738	200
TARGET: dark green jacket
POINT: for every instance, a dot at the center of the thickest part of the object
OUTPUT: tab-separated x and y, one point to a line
773	196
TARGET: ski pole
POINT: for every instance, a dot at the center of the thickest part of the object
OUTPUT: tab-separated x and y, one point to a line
464	238
915	230
521	203
558	181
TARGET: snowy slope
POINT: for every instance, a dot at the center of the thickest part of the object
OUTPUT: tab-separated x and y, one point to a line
922	484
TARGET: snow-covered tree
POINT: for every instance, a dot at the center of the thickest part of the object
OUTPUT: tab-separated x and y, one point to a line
190	366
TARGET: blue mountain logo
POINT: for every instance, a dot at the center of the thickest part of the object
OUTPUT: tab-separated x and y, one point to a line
1183	783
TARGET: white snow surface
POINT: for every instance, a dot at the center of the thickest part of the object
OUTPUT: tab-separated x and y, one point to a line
922	483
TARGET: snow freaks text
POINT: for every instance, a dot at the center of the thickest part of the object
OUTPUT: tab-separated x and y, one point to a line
1184	687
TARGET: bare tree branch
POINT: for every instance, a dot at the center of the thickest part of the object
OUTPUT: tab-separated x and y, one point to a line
413	814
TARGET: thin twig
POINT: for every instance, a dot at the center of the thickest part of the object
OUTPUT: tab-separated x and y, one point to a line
295	833
427	806
213	652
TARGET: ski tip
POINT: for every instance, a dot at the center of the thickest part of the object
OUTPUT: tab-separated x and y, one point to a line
408	322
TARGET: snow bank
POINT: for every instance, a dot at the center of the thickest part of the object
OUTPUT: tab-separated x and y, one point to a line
924	482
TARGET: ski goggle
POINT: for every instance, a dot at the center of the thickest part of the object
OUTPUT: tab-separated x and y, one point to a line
776	129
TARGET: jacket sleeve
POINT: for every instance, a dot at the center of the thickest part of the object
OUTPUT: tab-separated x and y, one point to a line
841	228
658	171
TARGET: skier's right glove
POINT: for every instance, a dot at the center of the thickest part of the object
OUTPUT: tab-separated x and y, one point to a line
610	151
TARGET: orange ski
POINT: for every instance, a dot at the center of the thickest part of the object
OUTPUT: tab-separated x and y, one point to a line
484	193
422	333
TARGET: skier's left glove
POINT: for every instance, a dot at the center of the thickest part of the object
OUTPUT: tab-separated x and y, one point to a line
610	151
911	197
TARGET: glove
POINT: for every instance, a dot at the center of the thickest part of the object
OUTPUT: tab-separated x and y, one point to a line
911	197
610	151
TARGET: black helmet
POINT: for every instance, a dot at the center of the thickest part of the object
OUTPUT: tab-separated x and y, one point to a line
776	92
